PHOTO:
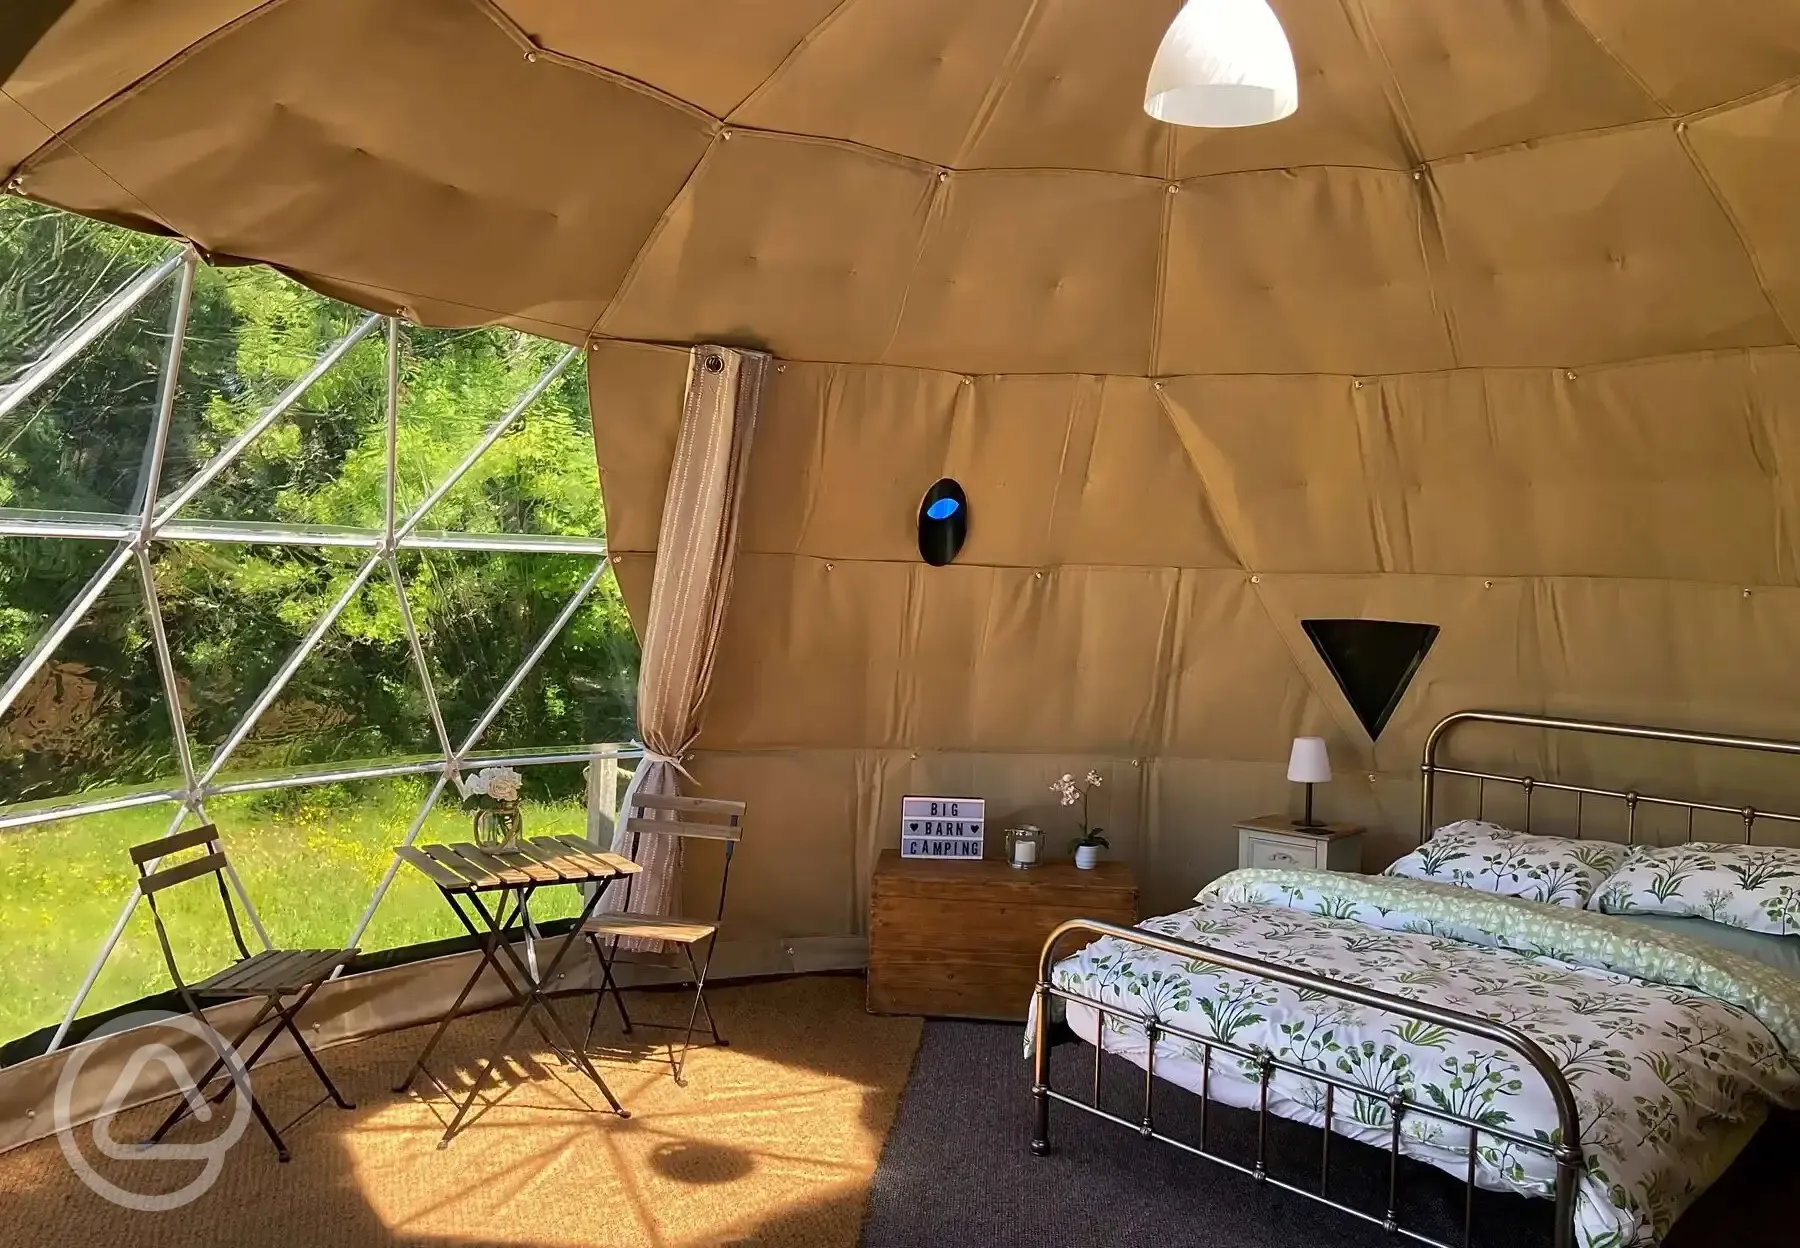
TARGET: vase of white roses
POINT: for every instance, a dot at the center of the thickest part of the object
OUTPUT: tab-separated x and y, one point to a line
1073	792
493	795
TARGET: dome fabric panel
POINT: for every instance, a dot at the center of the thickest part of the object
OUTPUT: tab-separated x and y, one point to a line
710	54
800	246
99	48
1594	249
1661	470
1072	95
378	152
1299	271
1698	54
1478	76
1011	269
942	56
1273	453
1751	155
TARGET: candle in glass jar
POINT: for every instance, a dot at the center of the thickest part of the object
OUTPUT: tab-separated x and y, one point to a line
1024	851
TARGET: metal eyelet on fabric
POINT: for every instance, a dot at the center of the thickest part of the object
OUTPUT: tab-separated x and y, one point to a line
714	364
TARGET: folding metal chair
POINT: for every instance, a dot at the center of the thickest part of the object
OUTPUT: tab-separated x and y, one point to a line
692	817
273	975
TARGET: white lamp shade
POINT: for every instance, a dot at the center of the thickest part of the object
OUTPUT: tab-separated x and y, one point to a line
1223	63
1308	763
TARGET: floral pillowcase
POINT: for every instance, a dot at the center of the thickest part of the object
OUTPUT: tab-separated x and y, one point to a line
1753	888
1491	859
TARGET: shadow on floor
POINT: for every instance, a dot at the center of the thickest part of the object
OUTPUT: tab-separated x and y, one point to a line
772	1142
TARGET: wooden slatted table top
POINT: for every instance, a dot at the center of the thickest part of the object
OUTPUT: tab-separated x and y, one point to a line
464	867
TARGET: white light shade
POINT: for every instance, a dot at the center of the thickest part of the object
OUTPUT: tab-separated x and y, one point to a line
1308	764
1223	63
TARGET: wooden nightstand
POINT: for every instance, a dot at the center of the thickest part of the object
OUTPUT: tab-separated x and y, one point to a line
962	939
1277	841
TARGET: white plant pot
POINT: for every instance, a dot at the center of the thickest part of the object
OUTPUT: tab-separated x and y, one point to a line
1087	857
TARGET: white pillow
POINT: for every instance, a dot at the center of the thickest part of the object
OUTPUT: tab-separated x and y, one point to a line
1756	888
1491	859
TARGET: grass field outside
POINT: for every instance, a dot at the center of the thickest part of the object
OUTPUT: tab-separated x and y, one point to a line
310	866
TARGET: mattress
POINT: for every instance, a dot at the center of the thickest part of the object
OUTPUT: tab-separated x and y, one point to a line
1674	1049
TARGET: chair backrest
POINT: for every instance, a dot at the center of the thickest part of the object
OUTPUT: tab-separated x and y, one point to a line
708	817
699	818
153	879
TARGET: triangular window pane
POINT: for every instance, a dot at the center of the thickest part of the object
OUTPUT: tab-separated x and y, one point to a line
323	461
78	443
73	875
55	268
94	715
1373	661
235	614
481	613
539	477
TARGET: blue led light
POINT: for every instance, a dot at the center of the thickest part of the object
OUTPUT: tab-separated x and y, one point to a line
943	509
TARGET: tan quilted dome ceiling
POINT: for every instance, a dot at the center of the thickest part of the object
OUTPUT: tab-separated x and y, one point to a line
1496	333
961	185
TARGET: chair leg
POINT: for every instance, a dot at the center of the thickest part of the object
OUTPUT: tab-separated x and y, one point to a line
287	1021
281	1148
679	1061
599	997
607	984
183	1106
705	1005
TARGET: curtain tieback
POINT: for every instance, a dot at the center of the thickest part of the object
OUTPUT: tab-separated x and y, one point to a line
651	756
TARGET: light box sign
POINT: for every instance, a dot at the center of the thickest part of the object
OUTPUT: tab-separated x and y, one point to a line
941	827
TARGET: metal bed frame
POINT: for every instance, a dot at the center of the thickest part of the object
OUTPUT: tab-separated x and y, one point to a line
1566	1152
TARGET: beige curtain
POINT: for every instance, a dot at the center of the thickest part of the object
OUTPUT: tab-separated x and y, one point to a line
695	553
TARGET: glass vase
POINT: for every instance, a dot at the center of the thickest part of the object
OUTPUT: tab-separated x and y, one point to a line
499	830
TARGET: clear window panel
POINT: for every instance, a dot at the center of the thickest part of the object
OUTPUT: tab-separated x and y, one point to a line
480	615
78	444
456	385
539	477
38	578
324	461
95	714
55	268
65	884
236	613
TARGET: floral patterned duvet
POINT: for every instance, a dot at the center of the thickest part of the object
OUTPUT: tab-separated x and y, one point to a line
1674	1049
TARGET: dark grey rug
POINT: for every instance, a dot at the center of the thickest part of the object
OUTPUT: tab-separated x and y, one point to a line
958	1169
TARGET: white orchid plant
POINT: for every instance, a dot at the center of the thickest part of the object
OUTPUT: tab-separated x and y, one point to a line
1073	792
491	788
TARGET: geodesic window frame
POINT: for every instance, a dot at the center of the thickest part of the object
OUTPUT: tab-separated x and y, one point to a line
158	518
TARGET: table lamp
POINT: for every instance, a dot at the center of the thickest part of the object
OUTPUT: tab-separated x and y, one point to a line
1308	764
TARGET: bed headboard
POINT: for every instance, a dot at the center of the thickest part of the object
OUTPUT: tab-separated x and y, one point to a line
1432	768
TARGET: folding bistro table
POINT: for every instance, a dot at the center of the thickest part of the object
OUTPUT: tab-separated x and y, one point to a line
465	873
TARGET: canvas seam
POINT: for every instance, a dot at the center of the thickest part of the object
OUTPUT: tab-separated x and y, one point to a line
1737	228
533	49
996	90
786	62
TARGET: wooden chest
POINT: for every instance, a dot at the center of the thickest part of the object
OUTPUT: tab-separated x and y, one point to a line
962	939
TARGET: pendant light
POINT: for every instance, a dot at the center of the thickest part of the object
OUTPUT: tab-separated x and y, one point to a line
1223	63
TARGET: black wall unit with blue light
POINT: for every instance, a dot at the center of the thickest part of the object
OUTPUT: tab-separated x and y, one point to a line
943	523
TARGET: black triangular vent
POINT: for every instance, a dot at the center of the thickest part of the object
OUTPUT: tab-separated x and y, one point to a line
1373	661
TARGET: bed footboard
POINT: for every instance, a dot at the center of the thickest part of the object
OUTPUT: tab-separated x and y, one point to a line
1566	1153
